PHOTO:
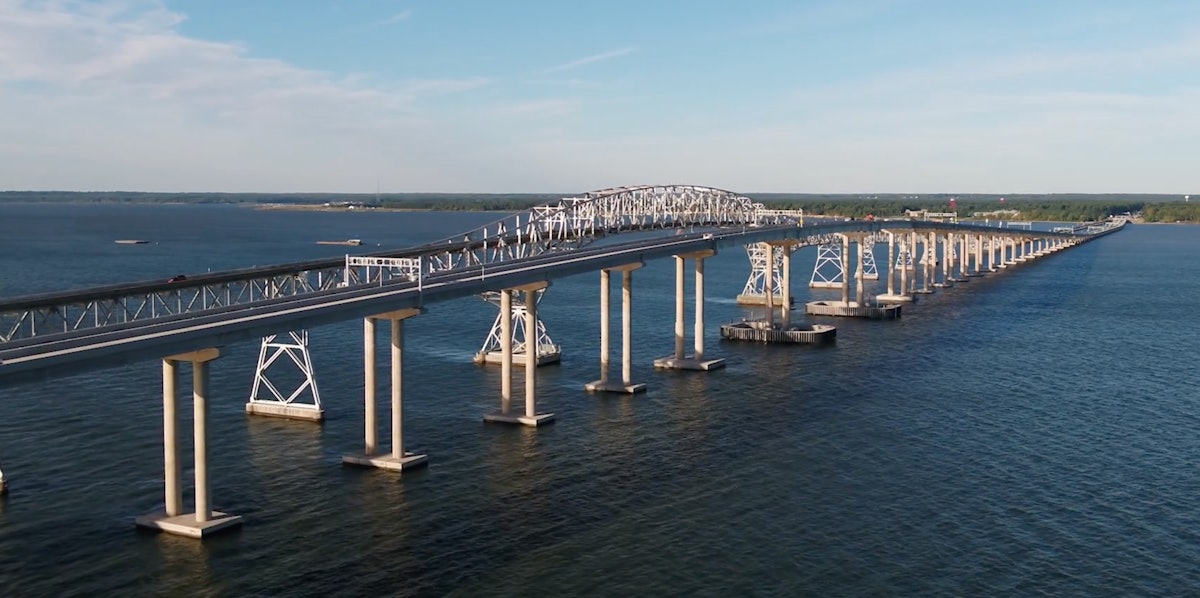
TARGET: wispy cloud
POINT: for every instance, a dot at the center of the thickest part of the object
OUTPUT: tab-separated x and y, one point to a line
578	62
403	15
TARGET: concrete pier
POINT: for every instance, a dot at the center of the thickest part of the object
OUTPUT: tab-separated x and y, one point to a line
891	296
764	332
506	415
204	521
626	384
397	459
695	361
266	398
853	309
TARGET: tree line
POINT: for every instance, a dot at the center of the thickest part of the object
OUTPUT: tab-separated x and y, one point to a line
1045	207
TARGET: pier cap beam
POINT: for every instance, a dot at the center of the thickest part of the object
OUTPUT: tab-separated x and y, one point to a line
198	356
399	314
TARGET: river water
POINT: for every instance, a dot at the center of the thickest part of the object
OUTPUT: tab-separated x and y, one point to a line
1031	432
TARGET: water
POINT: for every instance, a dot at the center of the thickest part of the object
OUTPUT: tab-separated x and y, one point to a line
1031	432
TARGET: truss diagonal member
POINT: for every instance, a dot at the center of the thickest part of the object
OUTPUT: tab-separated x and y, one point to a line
870	270
828	272
754	293
273	402
546	350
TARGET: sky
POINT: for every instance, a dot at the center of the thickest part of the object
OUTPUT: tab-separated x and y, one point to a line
544	96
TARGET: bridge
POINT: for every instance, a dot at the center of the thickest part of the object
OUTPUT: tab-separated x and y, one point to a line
513	260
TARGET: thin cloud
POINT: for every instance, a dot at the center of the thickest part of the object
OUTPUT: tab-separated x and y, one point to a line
574	64
403	15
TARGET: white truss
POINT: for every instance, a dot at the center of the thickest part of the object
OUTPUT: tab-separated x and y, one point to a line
297	352
904	258
570	223
870	270
544	344
756	284
377	270
828	272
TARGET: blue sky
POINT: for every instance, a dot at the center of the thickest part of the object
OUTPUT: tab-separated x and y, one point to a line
556	96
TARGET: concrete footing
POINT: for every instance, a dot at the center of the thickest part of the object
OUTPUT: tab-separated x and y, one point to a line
497	358
285	411
852	310
540	419
688	362
764	332
186	524
617	387
387	461
824	285
760	299
895	298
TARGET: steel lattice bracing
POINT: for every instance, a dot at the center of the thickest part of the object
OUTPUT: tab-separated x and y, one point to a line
870	270
577	221
828	272
546	350
298	354
570	223
756	283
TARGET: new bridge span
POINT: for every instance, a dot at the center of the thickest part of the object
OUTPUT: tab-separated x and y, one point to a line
188	320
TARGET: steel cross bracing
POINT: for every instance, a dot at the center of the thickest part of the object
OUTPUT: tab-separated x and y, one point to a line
297	351
492	344
870	270
175	299
756	283
828	271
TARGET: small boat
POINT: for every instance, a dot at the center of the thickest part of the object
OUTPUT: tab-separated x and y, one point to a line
352	242
131	241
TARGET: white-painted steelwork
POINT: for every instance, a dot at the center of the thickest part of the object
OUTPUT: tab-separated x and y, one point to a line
571	223
547	350
296	350
828	272
757	282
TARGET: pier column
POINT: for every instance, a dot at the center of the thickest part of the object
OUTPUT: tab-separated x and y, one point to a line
370	422
697	360
506	350
626	385
604	313
397	458
679	271
846	269
962	257
530	416
891	269
768	285
787	280
947	260
858	273
892	266
174	492
204	521
698	311
627	330
979	255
